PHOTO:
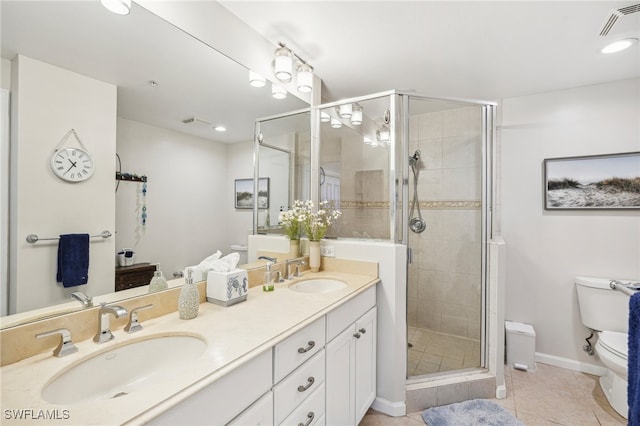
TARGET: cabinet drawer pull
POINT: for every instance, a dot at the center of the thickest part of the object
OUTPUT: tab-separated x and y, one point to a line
363	330
310	416
310	381
311	344
357	335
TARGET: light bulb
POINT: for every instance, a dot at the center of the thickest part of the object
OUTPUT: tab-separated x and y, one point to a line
344	111
256	80
305	78
278	92
335	123
324	117
283	65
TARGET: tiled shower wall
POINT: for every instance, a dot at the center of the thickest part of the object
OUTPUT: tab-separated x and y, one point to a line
444	277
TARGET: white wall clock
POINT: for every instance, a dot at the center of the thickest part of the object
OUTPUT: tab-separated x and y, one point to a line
72	164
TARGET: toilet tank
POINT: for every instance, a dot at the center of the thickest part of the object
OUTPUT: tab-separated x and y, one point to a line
601	307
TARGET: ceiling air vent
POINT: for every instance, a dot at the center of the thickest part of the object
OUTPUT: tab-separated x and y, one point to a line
615	14
195	121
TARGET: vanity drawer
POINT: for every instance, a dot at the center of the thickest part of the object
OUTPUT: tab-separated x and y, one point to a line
259	414
296	349
343	316
298	386
310	412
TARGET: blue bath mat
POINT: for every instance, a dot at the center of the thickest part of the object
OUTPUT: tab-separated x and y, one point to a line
477	412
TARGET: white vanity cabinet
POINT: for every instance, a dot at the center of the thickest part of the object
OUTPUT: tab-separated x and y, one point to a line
351	360
225	398
259	414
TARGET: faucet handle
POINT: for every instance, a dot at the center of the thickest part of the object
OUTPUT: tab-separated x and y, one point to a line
297	273
134	325
65	347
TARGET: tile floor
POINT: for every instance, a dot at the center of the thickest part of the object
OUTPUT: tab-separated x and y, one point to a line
433	352
549	396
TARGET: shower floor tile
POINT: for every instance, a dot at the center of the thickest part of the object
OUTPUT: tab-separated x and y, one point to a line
432	352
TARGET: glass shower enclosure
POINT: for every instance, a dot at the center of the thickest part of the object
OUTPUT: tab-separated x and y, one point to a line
414	170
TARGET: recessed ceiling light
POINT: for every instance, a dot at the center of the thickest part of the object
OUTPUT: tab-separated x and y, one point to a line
619	45
120	7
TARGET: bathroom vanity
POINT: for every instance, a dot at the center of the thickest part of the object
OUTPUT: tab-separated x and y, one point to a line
136	275
269	360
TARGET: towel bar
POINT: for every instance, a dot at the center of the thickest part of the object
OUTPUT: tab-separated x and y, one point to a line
617	285
33	238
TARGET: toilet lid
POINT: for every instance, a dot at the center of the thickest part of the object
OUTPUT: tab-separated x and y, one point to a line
615	342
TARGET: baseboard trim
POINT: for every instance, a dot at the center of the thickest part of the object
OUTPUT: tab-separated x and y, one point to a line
394	409
570	364
501	392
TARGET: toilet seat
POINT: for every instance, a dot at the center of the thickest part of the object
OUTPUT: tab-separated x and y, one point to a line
614	342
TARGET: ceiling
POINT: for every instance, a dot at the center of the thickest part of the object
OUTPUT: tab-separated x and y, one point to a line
453	49
193	80
466	49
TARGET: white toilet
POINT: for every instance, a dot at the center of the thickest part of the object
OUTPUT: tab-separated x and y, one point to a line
606	311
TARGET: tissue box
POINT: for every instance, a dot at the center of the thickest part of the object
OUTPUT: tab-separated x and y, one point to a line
227	288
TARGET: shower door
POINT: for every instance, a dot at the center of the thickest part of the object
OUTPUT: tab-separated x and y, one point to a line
445	237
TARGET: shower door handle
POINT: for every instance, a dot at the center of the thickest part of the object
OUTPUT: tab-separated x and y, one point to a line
409	255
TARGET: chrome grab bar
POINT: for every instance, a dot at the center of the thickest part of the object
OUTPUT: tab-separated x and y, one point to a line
627	289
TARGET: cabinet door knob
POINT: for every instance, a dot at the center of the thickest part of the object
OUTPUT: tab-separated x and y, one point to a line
310	381
357	335
310	416
311	344
363	330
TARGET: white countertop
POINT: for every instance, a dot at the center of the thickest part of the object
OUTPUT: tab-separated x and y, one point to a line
233	334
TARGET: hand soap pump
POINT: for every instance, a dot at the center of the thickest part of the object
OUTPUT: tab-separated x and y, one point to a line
158	282
189	299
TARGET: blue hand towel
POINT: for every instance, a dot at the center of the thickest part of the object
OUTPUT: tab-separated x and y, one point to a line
73	259
633	387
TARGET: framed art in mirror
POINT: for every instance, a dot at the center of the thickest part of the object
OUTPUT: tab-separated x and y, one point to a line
244	197
610	181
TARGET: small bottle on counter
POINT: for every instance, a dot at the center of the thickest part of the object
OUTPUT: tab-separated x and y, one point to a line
158	282
189	299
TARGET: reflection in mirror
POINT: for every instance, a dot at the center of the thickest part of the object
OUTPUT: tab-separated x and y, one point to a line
133	85
354	166
284	156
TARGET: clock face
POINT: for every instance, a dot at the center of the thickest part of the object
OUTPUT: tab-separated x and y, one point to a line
72	164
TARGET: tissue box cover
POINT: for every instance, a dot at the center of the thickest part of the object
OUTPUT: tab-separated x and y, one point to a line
227	288
196	274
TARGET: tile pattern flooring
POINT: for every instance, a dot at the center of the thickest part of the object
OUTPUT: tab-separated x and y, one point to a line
549	396
433	352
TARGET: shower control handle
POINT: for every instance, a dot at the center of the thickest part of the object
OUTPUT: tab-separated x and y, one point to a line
357	335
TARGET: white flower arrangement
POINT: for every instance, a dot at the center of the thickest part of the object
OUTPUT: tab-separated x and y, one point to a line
302	216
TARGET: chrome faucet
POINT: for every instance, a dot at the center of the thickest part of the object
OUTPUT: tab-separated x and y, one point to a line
271	276
287	270
85	300
66	346
104	332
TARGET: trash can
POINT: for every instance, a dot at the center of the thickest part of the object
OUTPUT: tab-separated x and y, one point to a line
521	345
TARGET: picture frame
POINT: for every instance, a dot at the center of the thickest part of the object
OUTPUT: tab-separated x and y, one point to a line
592	182
243	193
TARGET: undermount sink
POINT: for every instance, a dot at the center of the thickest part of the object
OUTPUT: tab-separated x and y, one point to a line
318	285
123	369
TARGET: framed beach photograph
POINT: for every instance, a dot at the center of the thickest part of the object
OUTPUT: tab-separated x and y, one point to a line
609	181
244	193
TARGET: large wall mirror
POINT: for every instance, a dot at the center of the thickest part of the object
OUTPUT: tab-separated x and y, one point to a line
163	92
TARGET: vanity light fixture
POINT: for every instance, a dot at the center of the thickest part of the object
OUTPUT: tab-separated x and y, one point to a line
256	80
335	123
345	110
619	45
278	92
324	117
356	115
383	135
283	64
305	78
119	7
368	141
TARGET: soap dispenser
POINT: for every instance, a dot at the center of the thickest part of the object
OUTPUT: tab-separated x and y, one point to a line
189	299
158	282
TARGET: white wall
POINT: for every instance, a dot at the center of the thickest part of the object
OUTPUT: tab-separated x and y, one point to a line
239	166
187	188
46	102
547	249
